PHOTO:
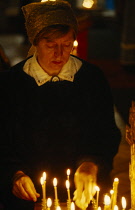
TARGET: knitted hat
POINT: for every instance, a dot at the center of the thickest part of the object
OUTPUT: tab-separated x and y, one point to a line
39	15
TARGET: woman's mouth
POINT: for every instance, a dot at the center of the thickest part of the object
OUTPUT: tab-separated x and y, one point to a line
57	62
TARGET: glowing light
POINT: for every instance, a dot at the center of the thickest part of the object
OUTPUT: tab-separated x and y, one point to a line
41	180
67	184
72	206
116	207
68	172
47	0
58	208
107	200
44	176
75	44
49	202
111	192
124	204
88	3
54	182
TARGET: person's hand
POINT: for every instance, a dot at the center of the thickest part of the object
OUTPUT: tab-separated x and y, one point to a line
85	182
23	187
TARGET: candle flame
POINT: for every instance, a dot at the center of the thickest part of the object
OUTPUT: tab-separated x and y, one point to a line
107	200
124	204
68	172
99	208
49	202
75	44
54	182
116	207
47	0
116	180
44	176
67	184
58	208
88	3
41	180
72	206
97	188
111	192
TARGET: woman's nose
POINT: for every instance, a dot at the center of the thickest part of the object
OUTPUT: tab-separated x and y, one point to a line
58	51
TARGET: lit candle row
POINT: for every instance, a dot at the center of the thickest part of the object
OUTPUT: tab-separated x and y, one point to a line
110	202
43	183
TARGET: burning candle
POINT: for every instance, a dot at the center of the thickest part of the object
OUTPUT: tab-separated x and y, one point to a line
49	203
107	202
55	188
115	189
97	196
111	192
68	173
99	208
68	190
43	191
124	203
75	46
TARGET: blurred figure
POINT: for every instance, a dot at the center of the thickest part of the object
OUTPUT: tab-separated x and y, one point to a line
127	57
4	61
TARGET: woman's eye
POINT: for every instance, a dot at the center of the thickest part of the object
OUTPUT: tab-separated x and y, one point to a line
50	46
67	45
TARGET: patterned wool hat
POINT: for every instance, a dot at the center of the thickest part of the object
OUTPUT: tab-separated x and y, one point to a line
39	15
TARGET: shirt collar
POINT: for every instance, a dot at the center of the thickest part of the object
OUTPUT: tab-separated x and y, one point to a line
32	68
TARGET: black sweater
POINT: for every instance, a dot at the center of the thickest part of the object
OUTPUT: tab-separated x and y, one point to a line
55	126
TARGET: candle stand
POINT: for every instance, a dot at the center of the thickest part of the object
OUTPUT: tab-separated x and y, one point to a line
44	204
130	137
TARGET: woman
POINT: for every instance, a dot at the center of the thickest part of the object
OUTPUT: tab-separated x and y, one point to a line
60	113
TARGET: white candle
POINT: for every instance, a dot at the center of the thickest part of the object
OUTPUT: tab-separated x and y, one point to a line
44	186
111	192
75	46
68	173
97	197
115	189
124	203
43	191
55	188
68	190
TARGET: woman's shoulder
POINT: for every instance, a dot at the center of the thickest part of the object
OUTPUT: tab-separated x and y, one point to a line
89	70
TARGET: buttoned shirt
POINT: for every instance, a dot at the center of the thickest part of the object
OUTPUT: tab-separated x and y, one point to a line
68	71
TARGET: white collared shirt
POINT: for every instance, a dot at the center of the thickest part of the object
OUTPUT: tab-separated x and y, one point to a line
32	68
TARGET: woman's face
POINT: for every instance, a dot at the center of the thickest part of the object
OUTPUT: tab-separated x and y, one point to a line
53	54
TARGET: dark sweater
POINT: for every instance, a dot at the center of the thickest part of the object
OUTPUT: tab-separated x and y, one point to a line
55	126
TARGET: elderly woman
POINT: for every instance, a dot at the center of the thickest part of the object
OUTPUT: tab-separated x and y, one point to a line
60	114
